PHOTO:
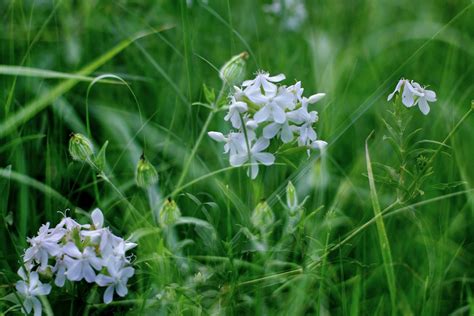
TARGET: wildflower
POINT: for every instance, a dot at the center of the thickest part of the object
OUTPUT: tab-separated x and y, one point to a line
115	281
263	82
145	174
80	147
414	94
424	97
262	110
29	288
43	245
255	156
236	109
81	263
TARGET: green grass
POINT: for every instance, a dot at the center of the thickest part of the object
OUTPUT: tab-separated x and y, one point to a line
132	73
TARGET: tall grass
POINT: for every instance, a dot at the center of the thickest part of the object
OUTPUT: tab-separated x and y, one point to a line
354	252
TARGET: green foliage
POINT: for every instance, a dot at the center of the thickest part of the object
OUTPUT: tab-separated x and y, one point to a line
400	243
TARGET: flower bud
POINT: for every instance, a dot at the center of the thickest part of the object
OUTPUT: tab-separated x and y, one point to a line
80	147
262	216
169	213
145	174
233	71
291	196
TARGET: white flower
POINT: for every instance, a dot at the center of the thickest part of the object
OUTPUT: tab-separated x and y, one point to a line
29	289
414	94
263	82
274	106
80	264
60	270
301	116
235	142
236	109
116	280
424	97
44	245
256	155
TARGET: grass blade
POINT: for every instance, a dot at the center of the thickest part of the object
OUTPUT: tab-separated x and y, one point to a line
381	232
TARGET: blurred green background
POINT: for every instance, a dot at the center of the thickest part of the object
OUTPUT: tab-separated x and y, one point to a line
354	51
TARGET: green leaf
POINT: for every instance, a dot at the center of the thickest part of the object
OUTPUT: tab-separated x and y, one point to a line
209	94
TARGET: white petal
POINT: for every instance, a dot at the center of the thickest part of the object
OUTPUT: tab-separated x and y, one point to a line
252	172
97	218
71	250
430	95
238	160
271	130
265	158
74	271
217	136
397	89
43	289
286	133
128	272
407	95
21	287
278	114
108	294
104	280
260	144
121	289
36	306
89	273
423	105
263	114
277	78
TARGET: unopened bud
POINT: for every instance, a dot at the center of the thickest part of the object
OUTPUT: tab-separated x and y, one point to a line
233	71
291	196
80	147
145	174
169	213
262	216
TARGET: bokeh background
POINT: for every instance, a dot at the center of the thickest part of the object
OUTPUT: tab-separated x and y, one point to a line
354	51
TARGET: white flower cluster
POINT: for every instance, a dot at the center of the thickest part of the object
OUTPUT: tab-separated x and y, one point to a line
74	252
260	111
414	94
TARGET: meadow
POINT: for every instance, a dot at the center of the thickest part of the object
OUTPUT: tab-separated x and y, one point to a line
184	171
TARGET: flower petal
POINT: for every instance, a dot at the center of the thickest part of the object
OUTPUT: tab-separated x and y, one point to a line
423	105
265	158
108	294
271	130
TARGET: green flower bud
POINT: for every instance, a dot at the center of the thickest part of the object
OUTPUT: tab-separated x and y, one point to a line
233	71
291	196
145	174
169	213
80	147
262	216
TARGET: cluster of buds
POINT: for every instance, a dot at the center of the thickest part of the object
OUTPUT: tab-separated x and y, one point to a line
261	110
74	252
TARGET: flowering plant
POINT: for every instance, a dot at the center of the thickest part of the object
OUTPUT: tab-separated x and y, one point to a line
74	252
260	111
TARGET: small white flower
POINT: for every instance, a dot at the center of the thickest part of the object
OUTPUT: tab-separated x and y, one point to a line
263	82
236	109
424	97
256	156
80	264
116	280
44	245
29	289
284	130
414	94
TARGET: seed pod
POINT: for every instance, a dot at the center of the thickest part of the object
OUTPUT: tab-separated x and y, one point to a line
169	213
80	147
262	217
233	71
291	197
145	174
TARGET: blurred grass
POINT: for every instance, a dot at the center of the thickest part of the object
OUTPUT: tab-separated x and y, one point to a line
354	51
